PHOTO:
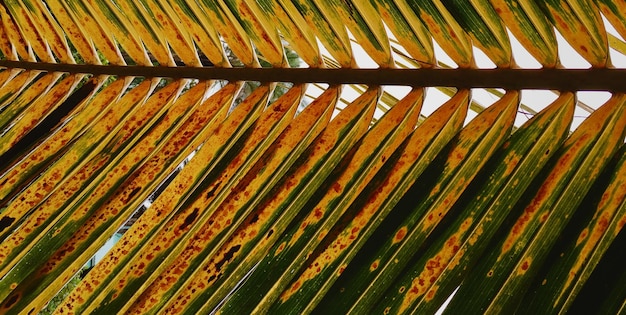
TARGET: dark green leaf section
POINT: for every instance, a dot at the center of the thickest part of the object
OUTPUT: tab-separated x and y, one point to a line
347	132
369	156
440	188
581	247
604	292
480	20
437	271
513	261
347	237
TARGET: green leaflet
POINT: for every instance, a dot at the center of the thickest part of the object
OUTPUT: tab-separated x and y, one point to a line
449	35
531	28
294	29
231	31
483	24
201	31
340	191
513	261
361	18
249	242
258	27
580	23
439	270
330	31
460	163
578	253
408	29
327	152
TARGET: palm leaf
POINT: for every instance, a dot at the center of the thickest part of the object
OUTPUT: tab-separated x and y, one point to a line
311	189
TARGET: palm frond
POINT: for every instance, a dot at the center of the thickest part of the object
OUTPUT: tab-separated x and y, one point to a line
238	180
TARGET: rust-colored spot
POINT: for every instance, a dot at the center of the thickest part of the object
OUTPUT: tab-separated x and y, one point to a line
336	187
318	213
431	293
583	235
400	235
374	265
525	265
281	247
341	269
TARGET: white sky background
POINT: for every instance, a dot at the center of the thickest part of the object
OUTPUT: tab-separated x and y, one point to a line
535	99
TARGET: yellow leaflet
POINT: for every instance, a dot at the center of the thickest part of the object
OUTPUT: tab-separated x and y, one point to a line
330	31
162	16
206	217
447	32
90	112
138	22
298	135
29	30
259	28
95	33
580	23
90	295
409	30
19	107
14	35
232	32
114	211
295	30
202	32
531	28
51	31
111	23
41	107
75	32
